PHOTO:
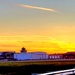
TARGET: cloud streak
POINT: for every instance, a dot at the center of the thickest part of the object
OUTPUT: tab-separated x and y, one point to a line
35	7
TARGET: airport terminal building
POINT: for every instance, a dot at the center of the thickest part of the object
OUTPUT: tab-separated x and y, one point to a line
24	55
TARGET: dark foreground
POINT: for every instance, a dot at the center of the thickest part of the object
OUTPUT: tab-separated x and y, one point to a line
28	70
29	67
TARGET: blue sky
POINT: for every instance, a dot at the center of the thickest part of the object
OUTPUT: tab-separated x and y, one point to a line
28	21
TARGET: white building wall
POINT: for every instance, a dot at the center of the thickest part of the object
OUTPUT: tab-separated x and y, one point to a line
31	56
22	56
39	56
0	53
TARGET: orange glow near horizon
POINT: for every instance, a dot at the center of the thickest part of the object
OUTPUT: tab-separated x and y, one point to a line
34	43
47	26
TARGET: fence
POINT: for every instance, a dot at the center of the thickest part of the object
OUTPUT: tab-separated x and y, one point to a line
62	72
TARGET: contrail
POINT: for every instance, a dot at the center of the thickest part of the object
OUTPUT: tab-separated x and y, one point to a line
35	7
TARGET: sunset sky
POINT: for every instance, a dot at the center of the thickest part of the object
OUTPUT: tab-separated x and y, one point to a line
37	25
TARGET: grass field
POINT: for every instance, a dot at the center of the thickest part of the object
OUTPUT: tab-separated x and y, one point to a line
29	67
24	63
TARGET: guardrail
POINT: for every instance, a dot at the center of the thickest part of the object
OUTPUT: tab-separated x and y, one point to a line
62	72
